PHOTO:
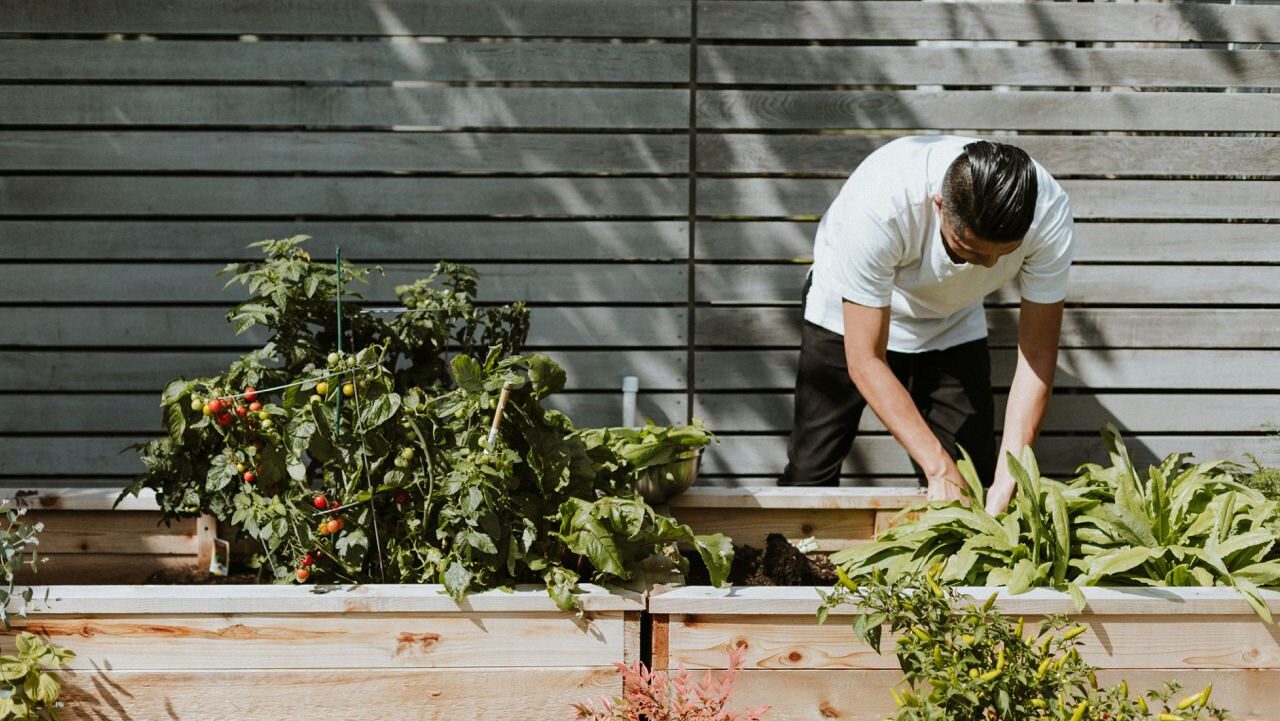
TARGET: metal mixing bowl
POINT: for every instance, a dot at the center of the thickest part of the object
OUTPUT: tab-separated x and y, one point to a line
659	483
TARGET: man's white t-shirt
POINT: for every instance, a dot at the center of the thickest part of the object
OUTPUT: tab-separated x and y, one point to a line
880	244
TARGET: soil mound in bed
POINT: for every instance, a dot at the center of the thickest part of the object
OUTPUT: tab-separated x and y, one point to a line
779	564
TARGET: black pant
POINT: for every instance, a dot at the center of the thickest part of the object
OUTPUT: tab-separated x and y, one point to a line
951	387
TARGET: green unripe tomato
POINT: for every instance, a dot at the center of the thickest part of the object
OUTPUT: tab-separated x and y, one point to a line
196	404
266	425
263	415
315	398
351	361
334	358
407	454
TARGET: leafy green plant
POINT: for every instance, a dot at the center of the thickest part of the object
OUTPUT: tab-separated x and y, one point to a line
17	549
639	448
376	465
29	692
964	660
1183	524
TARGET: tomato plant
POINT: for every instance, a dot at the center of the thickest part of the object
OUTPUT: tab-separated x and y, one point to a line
397	482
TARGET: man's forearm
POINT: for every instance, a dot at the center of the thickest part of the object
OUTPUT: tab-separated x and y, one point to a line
893	404
1028	398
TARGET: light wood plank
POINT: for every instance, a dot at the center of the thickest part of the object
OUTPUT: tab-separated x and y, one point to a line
362	242
346	196
1096	242
1094	284
861	20
1113	642
984	110
75	568
141	414
873	499
400	59
414	152
1090	199
1064	155
149	371
525	694
113	532
1070	412
831	530
200	283
65	602
1102	601
1058	456
1096	369
743	327
206	327
53	499
815	695
1037	66
586	18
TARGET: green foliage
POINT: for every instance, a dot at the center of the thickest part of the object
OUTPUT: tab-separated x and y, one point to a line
652	445
28	692
1183	524
963	660
375	466
17	549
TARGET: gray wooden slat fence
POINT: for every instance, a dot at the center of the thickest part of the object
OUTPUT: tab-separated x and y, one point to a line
652	193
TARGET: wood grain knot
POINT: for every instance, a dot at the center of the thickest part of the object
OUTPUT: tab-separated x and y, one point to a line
827	710
416	642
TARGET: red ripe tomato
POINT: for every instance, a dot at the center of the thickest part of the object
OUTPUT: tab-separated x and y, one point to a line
255	406
320	502
402	497
250	476
335	525
334	504
307	560
224	419
302	575
251	394
216	405
241	411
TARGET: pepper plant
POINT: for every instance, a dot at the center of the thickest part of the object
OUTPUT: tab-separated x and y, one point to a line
1183	524
28	691
965	660
377	465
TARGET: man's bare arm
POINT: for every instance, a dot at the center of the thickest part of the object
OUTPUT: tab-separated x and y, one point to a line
866	340
1039	327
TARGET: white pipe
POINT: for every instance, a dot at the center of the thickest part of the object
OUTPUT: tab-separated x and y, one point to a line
630	387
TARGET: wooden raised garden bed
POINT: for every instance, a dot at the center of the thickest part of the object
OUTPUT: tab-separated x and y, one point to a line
811	672
835	518
86	540
273	652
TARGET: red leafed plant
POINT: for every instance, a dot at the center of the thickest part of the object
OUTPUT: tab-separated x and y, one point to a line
659	696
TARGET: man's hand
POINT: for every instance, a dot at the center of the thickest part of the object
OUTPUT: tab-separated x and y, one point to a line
1001	491
947	484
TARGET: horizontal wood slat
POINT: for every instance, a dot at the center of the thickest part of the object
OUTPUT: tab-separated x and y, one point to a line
1093	284
1095	242
1097	369
1101	199
1057	455
1062	155
353	640
206	327
198	282
1069	412
127	105
743	327
362	242
112	532
805	694
275	152
140	413
861	20
235	695
147	371
349	62
264	196
831	530
588	18
800	66
983	110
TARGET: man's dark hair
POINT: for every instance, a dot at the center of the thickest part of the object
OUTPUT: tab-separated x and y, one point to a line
991	191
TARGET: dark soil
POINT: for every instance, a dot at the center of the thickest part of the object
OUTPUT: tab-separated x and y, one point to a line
192	576
779	564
